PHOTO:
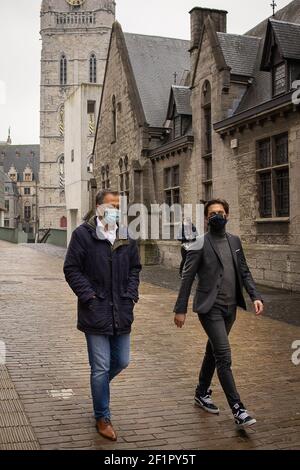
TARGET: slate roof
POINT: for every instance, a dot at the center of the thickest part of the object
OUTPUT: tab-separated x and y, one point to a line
288	13
182	98
155	60
240	52
288	37
261	89
20	161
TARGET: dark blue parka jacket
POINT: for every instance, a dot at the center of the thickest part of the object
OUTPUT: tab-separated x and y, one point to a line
105	279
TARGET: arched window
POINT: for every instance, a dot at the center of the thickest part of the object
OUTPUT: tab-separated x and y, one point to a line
206	105
126	162
114	119
27	211
63	70
61	119
105	177
124	176
91	108
207	140
61	169
63	222
93	68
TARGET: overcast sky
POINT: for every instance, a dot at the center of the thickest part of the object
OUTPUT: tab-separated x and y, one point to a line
20	47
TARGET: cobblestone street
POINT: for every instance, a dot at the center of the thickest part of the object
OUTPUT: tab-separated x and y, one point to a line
45	400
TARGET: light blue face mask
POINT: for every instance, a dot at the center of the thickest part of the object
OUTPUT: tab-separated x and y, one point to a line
112	216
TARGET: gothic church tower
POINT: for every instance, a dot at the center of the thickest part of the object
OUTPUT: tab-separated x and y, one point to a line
75	39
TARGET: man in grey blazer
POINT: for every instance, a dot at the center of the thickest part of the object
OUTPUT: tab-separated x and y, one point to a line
218	260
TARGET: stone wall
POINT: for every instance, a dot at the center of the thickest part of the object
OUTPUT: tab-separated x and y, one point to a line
13	235
275	266
77	42
170	253
129	135
224	167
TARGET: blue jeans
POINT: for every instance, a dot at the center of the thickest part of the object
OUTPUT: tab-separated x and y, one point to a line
108	356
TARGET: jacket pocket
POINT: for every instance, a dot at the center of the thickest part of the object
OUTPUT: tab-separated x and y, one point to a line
126	311
126	295
95	314
99	289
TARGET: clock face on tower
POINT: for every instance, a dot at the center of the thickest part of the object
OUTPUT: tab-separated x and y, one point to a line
75	3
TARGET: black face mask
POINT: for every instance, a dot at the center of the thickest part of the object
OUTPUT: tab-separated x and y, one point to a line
217	222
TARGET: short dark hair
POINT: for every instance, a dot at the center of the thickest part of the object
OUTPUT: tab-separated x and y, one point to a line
102	194
212	202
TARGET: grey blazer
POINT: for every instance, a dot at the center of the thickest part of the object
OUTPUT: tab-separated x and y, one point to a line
204	261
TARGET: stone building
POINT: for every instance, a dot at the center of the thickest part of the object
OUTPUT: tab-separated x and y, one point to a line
80	126
13	202
228	128
247	146
21	166
139	74
75	37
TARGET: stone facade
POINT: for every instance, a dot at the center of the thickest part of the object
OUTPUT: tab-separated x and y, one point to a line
21	166
74	50
234	110
12	204
272	243
80	126
127	130
129	139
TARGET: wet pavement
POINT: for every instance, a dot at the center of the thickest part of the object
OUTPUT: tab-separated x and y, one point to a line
45	399
279	304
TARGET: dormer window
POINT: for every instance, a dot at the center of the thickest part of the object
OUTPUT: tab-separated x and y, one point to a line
177	127
281	57
279	79
13	174
27	175
179	111
294	72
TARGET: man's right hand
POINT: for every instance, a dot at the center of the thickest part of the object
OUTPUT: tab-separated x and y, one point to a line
179	320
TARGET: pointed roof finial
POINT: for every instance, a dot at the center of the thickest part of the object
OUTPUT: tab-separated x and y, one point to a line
273	5
9	137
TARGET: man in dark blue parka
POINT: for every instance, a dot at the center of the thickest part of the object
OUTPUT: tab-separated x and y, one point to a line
103	271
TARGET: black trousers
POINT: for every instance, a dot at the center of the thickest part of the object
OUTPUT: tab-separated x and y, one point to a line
217	325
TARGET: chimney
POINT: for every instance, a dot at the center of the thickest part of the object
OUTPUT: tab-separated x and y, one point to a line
198	17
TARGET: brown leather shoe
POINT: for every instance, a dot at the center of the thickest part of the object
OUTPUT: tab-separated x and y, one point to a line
105	429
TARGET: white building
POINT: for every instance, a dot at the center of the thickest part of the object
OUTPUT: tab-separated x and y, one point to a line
75	38
80	124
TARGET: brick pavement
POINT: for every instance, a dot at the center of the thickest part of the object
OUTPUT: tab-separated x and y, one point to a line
152	402
281	305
